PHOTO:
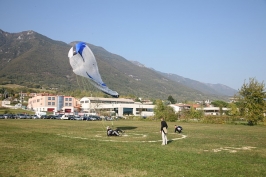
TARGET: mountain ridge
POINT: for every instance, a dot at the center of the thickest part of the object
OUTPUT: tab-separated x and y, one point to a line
207	88
34	60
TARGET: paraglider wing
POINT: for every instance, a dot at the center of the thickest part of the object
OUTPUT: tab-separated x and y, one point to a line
84	64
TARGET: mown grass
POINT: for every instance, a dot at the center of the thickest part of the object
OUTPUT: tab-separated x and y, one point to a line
81	148
4	110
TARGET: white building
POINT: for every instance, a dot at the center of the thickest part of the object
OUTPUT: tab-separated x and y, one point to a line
119	106
213	110
5	102
207	110
179	107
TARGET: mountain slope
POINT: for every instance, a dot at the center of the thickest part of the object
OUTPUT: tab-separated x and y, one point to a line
30	58
213	89
34	60
210	89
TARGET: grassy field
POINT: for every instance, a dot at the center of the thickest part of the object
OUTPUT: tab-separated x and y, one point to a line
81	148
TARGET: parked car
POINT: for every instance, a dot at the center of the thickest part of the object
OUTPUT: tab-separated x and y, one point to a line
108	118
34	116
44	117
9	116
64	117
6	116
87	118
28	116
78	118
57	117
71	117
52	117
2	116
21	116
94	117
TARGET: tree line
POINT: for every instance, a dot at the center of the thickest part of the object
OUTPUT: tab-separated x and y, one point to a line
249	103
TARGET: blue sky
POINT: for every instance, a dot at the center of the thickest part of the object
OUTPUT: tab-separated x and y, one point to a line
211	41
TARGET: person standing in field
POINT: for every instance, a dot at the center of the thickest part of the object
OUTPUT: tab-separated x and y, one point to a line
163	131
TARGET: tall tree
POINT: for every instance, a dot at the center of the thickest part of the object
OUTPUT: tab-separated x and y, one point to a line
219	103
159	109
252	98
162	110
170	114
233	109
171	99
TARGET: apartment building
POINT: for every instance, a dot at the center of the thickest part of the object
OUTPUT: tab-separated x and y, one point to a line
52	103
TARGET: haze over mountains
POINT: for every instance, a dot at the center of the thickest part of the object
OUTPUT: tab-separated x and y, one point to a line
216	89
31	59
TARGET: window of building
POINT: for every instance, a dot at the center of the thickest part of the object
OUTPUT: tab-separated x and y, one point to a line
53	98
66	104
38	100
70	99
49	98
70	104
53	103
66	99
49	103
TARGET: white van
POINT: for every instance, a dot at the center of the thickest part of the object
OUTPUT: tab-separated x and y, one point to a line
64	117
40	114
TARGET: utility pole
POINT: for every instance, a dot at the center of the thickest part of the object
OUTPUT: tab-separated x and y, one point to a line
21	99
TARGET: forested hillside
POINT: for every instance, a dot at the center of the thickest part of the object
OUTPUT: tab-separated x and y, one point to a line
36	61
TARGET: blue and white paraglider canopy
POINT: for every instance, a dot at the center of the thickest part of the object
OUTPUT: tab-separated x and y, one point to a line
84	64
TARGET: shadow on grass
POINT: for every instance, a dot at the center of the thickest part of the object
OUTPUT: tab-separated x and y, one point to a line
127	128
169	141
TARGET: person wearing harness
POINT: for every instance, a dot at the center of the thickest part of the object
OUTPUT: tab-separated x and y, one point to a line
163	131
115	132
178	129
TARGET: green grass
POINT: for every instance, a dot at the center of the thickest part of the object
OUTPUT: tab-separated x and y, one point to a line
4	110
81	148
